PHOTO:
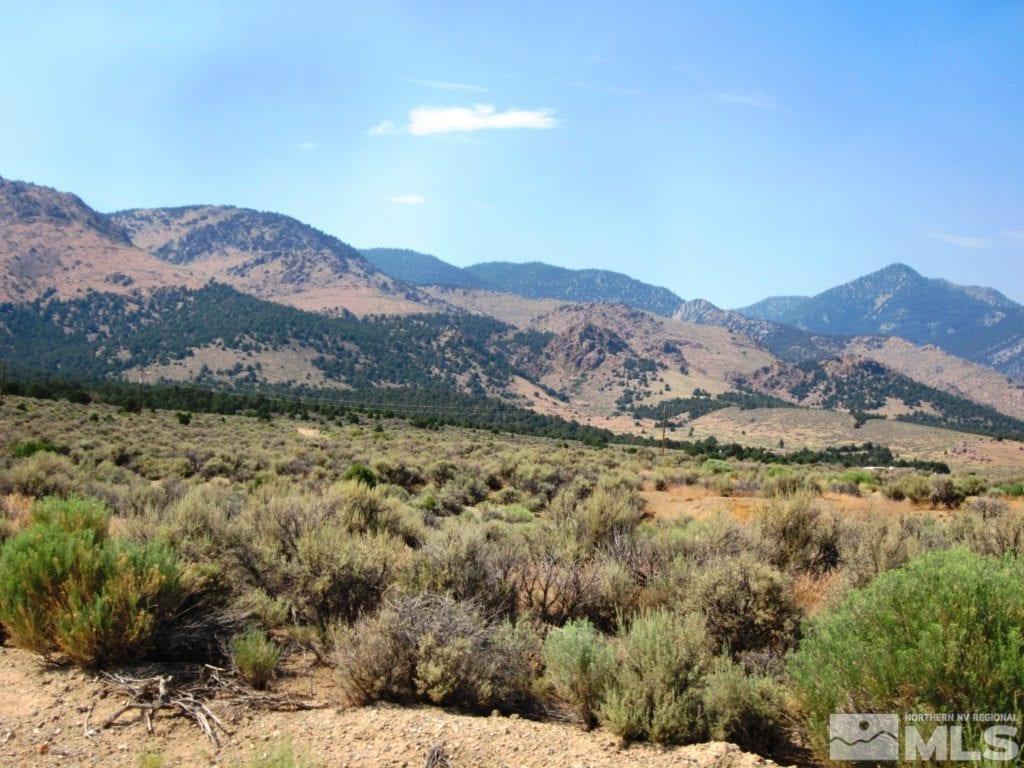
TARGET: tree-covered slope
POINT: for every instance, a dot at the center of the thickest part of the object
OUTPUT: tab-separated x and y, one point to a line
418	268
104	334
536	280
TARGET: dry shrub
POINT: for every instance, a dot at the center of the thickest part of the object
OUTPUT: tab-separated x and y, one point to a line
433	649
468	563
880	543
656	692
748	606
796	536
747	710
813	592
41	474
554	579
596	518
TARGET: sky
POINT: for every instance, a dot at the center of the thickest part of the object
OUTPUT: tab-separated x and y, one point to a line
725	150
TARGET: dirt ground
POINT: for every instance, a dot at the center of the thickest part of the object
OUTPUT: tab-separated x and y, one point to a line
700	503
45	713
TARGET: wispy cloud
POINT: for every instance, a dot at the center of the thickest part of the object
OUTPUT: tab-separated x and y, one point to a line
383	128
427	121
444	85
305	146
620	90
962	241
1016	235
408	199
757	99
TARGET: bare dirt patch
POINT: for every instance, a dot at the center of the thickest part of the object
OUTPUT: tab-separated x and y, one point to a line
43	715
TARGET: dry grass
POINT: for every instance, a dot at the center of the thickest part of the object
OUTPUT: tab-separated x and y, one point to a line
818	429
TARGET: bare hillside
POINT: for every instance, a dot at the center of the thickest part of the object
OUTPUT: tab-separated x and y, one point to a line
937	368
270	256
52	242
602	355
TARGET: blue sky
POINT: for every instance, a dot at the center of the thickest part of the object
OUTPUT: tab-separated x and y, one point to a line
725	150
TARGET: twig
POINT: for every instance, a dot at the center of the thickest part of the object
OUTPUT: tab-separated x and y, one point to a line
89	732
192	696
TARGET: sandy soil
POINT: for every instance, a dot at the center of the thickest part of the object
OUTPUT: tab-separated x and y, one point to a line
43	715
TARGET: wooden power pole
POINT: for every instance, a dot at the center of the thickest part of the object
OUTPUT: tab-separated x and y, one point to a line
662	427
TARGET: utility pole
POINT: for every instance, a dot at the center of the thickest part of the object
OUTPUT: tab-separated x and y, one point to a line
142	378
3	380
662	427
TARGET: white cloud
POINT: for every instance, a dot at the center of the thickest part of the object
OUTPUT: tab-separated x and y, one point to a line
1016	235
425	121
408	199
443	85
383	128
756	99
305	146
961	241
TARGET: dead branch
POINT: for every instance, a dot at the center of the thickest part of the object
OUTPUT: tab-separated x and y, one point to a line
190	693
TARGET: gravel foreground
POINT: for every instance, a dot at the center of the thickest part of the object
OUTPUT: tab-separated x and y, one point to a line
44	712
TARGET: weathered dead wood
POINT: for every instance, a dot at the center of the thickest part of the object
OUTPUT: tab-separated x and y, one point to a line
190	694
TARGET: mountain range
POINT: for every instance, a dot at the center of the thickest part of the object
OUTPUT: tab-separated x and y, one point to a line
976	323
232	296
979	324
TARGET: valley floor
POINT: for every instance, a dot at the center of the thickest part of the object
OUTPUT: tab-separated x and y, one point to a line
44	713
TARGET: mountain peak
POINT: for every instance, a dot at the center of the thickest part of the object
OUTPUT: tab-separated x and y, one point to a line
894	272
979	324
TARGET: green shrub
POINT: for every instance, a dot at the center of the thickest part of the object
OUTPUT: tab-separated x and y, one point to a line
748	710
578	663
715	467
255	657
916	488
971	485
467	564
942	634
656	691
27	448
361	474
858	477
433	649
1014	490
71	515
184	418
66	587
